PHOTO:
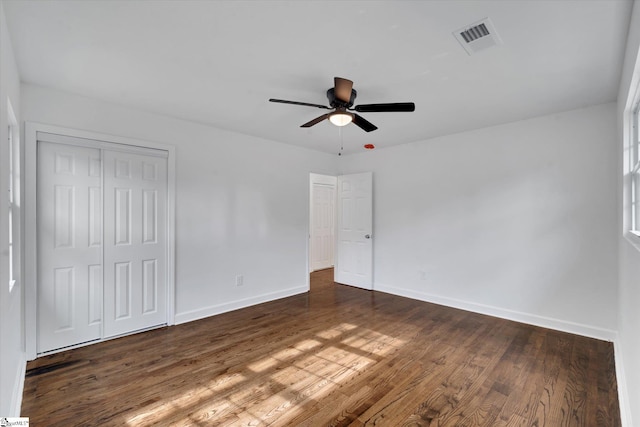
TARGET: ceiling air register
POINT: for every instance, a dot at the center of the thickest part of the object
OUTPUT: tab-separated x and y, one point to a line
478	36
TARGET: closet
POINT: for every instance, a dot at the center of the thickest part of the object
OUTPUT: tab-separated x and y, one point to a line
102	243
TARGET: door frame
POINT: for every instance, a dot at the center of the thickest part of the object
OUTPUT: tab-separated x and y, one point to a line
30	224
337	209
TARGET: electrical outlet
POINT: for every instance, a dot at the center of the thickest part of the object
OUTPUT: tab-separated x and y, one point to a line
239	280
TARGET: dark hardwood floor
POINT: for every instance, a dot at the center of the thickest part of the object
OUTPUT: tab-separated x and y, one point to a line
336	356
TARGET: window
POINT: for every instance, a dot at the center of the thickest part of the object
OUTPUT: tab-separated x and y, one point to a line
635	171
13	196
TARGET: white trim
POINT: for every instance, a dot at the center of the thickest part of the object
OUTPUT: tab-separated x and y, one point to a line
633	238
86	343
30	146
60	138
30	240
630	141
213	310
516	316
15	259
621	379
633	136
171	236
309	270
18	390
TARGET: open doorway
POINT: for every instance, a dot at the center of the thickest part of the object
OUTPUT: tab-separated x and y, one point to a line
322	221
340	227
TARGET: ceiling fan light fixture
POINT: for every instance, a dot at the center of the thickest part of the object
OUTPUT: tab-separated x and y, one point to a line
341	118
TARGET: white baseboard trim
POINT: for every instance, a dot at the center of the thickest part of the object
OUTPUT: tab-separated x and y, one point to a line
202	313
517	316
623	394
18	389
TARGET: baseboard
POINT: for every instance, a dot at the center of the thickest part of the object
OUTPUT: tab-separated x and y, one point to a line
18	389
517	316
202	313
621	379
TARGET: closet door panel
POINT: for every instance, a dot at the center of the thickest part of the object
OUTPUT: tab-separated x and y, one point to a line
69	231
135	247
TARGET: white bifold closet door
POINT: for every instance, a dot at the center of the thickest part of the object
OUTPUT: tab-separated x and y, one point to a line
135	246
102	244
69	245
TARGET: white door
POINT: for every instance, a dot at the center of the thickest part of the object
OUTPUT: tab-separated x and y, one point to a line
69	227
323	197
354	247
135	247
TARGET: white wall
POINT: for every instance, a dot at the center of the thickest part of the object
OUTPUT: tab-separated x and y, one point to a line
628	349
12	358
242	202
517	221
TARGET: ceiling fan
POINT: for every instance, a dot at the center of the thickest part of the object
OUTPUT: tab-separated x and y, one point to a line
341	98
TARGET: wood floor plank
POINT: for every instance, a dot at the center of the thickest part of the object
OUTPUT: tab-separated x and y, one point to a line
336	356
524	386
467	384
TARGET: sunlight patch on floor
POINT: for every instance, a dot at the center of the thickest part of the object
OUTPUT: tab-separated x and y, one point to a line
332	333
166	407
306	345
373	342
303	374
288	353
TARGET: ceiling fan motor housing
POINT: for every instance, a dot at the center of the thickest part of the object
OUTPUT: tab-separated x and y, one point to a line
336	103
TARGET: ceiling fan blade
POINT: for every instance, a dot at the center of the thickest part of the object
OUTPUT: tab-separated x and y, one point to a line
363	124
342	89
380	108
315	121
283	101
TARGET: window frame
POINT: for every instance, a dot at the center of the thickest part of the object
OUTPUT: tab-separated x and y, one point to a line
635	172
13	196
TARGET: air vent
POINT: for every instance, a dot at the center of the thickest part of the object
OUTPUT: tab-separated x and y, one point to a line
475	33
478	36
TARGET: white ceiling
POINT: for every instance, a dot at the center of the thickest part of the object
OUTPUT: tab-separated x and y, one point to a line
218	62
